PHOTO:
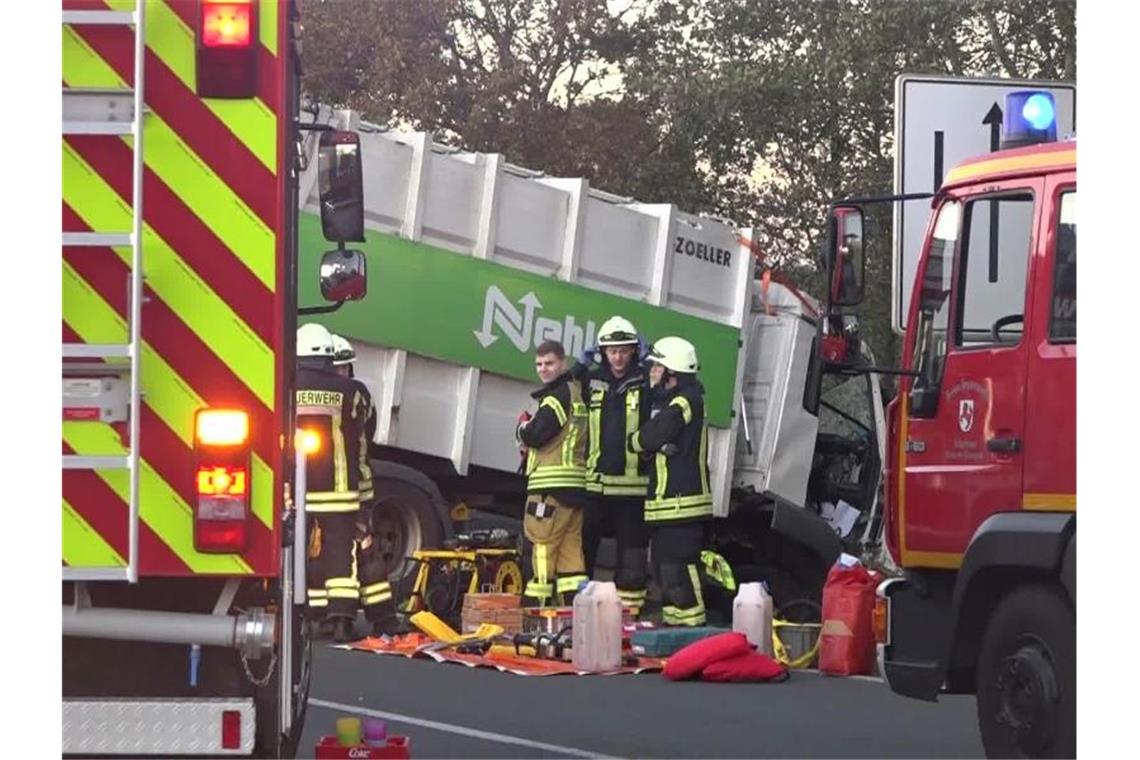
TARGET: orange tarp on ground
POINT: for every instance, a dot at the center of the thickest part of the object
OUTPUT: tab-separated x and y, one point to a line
419	645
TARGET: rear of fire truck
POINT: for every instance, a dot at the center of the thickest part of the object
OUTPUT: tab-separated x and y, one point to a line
180	632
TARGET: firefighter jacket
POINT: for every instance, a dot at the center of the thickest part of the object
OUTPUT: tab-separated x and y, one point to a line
368	434
556	441
334	408
617	409
678	437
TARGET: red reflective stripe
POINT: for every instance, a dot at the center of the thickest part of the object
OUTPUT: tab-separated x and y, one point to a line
177	344
184	232
181	108
107	514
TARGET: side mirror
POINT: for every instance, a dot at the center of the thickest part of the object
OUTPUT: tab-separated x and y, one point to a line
344	275
341	180
845	256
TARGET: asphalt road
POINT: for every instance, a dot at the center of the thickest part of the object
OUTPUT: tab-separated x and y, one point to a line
453	711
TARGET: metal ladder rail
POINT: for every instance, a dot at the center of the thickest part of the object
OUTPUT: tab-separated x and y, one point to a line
132	350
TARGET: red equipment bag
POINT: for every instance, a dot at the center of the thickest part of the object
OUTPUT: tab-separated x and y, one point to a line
847	637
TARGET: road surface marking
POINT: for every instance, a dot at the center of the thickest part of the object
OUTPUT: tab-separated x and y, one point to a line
454	729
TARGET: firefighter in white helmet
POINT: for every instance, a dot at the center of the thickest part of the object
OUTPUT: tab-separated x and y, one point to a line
376	597
331	412
616	390
679	503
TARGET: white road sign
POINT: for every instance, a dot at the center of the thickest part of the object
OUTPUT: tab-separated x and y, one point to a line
940	122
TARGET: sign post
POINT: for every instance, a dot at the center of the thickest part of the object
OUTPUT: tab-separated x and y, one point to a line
940	122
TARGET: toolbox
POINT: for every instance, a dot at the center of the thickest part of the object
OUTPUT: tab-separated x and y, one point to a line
662	642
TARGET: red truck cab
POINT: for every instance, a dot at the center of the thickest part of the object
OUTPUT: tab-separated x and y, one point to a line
980	483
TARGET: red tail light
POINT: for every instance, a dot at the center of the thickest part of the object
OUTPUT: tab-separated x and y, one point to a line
222	512
227	49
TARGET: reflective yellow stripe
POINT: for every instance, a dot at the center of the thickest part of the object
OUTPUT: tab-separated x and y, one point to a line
172	41
160	506
686	410
1013	163
662	475
376	588
343	593
317	593
332	583
82	544
371	599
268	11
635	442
340	457
624	480
187	175
318	602
540	558
703	460
696	581
206	314
632	423
1050	502
552	404
570	583
595	432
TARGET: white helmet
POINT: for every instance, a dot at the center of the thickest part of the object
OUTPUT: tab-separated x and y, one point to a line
617	331
343	352
314	342
675	354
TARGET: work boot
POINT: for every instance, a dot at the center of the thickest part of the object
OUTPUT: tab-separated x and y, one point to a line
392	625
342	631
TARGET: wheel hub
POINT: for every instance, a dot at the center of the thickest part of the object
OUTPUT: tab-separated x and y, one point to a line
1029	697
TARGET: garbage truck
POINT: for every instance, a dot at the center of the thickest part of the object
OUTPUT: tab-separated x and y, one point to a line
981	471
477	261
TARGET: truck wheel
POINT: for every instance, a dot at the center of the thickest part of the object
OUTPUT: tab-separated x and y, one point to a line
1027	676
406	517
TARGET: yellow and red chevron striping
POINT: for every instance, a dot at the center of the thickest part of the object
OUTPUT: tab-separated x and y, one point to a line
214	255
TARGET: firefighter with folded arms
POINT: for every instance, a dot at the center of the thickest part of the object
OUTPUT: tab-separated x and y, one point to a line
616	392
331	415
376	597
555	439
679	502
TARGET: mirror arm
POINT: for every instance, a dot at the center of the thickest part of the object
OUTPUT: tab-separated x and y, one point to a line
328	309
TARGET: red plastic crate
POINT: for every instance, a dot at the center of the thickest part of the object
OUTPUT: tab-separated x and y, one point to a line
330	749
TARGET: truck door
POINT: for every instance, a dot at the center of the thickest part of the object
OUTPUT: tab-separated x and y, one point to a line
1051	425
963	429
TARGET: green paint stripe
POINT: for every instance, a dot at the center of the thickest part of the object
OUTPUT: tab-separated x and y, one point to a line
83	546
269	10
187	175
160	507
200	308
172	41
166	393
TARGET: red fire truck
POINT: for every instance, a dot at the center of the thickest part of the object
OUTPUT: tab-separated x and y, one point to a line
981	472
182	498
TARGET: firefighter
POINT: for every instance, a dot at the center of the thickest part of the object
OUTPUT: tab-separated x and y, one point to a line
333	408
376	596
679	503
555	438
616	392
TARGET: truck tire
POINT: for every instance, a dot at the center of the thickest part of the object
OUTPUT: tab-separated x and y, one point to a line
1027	676
409	516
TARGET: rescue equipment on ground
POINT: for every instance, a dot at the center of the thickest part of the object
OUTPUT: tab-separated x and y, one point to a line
485	560
847	637
752	616
694	658
753	667
663	642
597	627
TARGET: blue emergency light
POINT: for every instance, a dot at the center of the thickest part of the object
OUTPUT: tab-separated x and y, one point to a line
1030	118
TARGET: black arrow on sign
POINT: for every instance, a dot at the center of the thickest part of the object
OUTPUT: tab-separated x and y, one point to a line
993	117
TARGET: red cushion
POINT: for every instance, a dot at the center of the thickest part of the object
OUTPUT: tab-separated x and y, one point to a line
753	666
691	660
